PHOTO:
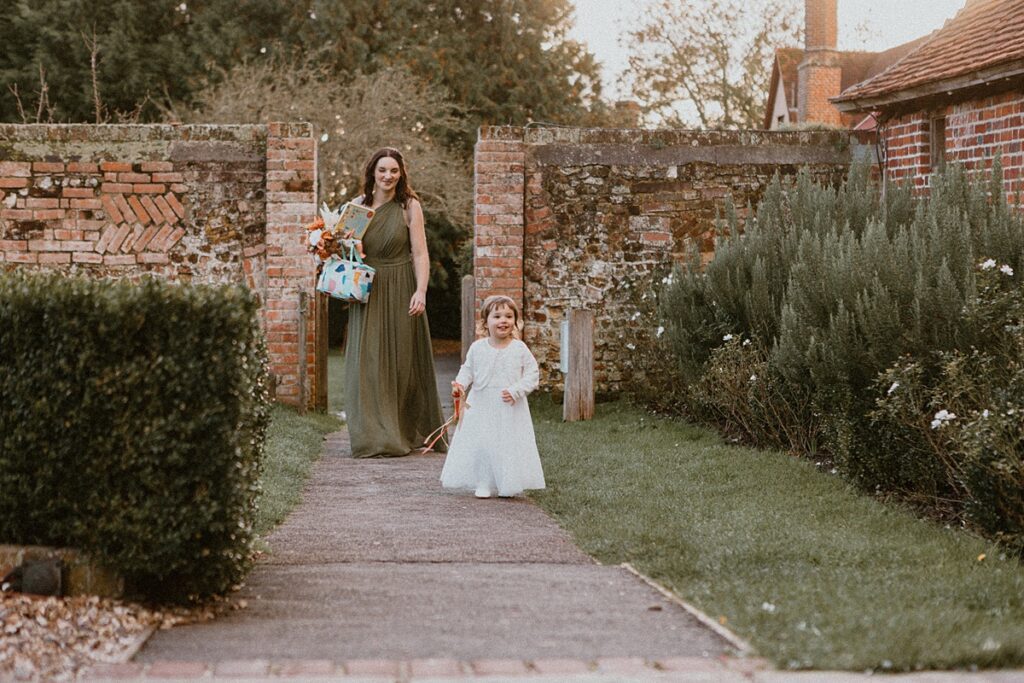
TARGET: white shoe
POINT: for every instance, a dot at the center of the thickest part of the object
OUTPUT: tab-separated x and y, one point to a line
482	492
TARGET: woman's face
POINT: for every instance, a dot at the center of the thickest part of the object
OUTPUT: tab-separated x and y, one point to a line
500	322
386	174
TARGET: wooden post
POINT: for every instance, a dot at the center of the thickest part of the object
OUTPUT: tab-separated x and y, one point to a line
301	343
578	403
468	314
321	351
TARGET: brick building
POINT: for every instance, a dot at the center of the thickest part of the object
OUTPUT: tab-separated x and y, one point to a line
959	96
805	79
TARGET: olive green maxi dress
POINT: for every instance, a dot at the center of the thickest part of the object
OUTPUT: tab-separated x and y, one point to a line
391	398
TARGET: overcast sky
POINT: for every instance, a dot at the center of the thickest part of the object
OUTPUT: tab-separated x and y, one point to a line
887	23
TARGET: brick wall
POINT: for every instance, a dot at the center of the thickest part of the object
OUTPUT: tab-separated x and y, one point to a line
977	131
576	218
907	149
204	204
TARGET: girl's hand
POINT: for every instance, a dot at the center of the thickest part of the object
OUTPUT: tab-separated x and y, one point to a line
507	397
418	303
457	390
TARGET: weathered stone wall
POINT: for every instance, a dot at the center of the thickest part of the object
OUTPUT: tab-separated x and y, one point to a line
577	218
204	204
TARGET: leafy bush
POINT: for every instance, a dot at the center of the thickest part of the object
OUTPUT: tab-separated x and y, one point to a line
132	422
952	424
843	294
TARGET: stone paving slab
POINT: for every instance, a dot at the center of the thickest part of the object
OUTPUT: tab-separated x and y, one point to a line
453	610
394	510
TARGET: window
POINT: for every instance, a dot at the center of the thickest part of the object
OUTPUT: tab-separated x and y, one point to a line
938	150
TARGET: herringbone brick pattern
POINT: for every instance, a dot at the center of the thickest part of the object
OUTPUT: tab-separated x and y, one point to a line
113	213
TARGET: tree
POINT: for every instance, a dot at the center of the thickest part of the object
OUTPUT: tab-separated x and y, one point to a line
502	61
712	57
147	51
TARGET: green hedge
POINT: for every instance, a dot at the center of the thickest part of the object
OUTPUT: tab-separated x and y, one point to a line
132	423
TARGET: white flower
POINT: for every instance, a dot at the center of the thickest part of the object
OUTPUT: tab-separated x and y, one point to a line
753	378
631	346
942	417
746	342
661	330
312	15
768	607
1006	270
985	413
988	265
263	50
727	337
182	7
635	315
325	137
893	387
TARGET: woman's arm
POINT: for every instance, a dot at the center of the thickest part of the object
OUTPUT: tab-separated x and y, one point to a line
420	257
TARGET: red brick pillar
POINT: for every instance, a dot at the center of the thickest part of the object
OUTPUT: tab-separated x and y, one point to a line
819	74
499	188
291	204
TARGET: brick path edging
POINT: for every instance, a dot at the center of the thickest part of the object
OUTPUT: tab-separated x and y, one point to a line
404	671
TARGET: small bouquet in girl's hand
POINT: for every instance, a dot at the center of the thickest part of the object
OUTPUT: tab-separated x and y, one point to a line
333	231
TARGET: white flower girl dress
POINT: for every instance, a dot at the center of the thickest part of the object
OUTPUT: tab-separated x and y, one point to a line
494	446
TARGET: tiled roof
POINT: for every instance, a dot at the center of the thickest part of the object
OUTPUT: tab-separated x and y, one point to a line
984	34
855	66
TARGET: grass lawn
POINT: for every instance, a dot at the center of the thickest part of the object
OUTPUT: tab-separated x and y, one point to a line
294	443
811	573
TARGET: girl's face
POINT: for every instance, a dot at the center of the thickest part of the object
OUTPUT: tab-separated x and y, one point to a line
501	321
386	174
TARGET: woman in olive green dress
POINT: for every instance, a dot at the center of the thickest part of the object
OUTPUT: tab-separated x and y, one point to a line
391	397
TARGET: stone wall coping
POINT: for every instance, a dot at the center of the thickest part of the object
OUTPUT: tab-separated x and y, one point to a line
543	135
109	132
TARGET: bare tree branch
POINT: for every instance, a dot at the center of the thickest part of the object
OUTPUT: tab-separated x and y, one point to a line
94	48
13	87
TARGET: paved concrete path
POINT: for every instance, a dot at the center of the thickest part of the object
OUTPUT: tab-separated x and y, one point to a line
379	563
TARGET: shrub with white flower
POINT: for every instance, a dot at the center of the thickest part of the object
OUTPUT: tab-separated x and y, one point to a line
942	417
1005	269
727	337
988	264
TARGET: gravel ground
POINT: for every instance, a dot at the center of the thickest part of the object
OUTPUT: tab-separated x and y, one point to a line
45	638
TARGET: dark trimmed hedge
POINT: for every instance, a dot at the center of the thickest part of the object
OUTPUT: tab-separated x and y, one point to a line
132	423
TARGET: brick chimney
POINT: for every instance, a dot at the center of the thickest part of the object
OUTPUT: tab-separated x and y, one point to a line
820	75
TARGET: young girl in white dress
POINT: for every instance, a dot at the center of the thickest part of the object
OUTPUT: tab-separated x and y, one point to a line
493	450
